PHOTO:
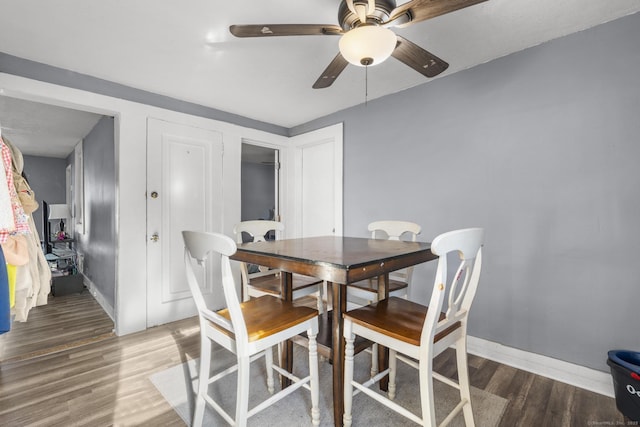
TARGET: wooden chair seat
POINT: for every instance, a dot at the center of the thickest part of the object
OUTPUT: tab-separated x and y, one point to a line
267	315
271	283
397	318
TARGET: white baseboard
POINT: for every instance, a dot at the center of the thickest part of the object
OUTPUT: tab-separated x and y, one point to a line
558	370
99	297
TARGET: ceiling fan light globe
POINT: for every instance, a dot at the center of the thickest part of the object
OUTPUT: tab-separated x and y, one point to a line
370	43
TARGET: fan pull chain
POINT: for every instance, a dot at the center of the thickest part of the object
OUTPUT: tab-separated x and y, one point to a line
366	62
366	84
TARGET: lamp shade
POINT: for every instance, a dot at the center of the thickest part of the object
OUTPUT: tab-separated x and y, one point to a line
58	211
367	45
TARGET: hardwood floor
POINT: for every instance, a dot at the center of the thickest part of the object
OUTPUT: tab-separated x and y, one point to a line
64	322
99	384
107	383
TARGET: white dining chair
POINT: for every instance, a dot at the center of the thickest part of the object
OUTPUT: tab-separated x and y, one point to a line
366	291
249	330
422	332
266	281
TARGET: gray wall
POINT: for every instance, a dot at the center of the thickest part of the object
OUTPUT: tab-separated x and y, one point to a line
98	243
46	176
258	190
541	148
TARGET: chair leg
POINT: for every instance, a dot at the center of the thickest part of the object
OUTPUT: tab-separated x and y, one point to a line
244	283
348	375
315	380
268	360
242	402
327	294
463	380
426	391
280	345
374	360
393	363
203	380
320	300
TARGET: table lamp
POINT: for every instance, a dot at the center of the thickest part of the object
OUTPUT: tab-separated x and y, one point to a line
60	212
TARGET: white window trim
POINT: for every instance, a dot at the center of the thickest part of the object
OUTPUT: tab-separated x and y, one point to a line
78	194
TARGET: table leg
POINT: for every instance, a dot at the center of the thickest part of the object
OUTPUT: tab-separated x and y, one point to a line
339	307
286	280
383	352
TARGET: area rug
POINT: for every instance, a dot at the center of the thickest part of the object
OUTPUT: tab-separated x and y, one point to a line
177	383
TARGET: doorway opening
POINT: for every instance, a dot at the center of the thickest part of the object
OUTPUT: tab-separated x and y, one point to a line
46	135
260	170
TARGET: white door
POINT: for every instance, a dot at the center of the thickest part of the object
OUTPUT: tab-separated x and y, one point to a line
184	192
318	182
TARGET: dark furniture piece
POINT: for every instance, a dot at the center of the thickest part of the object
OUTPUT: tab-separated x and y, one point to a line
62	260
339	261
46	228
64	274
65	285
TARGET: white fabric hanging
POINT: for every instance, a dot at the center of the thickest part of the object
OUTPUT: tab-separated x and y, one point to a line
7	220
33	280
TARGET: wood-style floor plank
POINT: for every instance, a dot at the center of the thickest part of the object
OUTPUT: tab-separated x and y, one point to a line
517	393
536	402
64	322
558	410
103	383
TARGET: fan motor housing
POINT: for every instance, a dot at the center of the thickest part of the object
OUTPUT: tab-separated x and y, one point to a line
349	20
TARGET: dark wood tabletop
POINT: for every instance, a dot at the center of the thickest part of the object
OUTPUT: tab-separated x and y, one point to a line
336	259
340	261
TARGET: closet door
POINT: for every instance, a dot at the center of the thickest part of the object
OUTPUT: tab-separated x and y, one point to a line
184	192
317	177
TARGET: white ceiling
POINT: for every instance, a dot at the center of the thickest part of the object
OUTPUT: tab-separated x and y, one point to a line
184	49
44	130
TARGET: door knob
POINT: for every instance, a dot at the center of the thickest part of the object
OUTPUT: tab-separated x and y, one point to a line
155	237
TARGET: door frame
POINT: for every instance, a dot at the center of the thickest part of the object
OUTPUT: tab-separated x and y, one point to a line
169	300
289	189
330	134
281	194
278	149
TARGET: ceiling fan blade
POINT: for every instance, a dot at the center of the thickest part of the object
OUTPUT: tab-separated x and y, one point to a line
419	59
331	73
284	30
420	10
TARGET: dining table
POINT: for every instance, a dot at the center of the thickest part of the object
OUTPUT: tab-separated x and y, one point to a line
339	261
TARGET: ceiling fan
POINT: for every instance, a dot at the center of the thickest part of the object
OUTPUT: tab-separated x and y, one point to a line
366	38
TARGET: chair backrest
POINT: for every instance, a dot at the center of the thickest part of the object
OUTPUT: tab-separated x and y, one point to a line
199	246
394	230
460	286
257	230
